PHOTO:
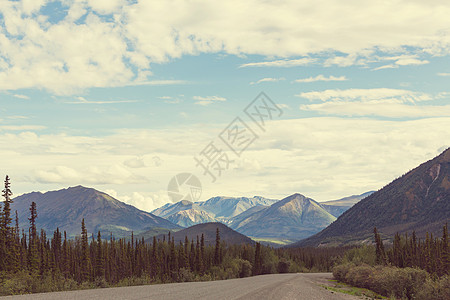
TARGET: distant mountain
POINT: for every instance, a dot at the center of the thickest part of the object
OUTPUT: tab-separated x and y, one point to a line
66	208
419	201
214	209
189	217
228	207
338	207
172	208
245	215
294	217
227	234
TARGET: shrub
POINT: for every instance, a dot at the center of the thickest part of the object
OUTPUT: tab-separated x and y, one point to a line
340	271
359	276
435	290
283	266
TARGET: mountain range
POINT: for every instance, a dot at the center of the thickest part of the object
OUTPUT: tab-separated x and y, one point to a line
295	217
417	201
217	209
290	219
338	207
66	208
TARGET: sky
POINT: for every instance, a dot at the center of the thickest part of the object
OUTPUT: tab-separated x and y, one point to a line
124	95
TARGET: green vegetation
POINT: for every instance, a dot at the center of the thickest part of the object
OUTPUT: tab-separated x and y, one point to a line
354	291
411	269
31	262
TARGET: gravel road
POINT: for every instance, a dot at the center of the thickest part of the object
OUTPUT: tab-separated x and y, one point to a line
276	286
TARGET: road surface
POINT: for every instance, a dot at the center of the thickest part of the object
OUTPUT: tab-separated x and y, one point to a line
275	286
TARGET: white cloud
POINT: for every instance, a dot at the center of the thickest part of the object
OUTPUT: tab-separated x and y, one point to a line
68	56
401	60
322	78
147	201
157	82
200	100
114	174
393	103
344	61
375	108
135	162
411	61
21	127
443	74
25	97
366	95
106	6
18	117
285	63
324	158
82	100
268	79
390	66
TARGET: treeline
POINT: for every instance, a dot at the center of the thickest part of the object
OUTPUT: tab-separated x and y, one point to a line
32	262
431	254
410	269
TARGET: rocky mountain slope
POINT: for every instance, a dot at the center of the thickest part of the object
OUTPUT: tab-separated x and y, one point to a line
294	217
418	200
67	207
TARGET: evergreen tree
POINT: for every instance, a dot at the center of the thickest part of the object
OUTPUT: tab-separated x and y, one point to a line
99	263
202	255
381	255
85	259
445	251
217	258
33	259
7	233
257	266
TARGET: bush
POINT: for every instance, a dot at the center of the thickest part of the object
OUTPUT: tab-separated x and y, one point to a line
246	269
283	266
435	290
392	281
359	276
340	271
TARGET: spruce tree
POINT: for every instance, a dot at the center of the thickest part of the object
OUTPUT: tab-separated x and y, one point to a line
217	258
445	250
381	256
85	259
202	254
99	266
33	260
7	232
257	266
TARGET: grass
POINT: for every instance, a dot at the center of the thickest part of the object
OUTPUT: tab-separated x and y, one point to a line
340	287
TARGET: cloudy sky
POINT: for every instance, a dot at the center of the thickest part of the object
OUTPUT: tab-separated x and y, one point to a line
123	95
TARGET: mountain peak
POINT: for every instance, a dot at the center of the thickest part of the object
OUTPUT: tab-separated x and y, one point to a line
417	201
67	207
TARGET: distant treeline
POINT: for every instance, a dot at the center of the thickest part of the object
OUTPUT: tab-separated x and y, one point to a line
32	262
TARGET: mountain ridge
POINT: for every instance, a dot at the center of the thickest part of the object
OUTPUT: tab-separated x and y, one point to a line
417	201
66	208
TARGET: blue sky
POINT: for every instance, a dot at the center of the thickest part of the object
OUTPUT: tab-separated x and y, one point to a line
122	95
